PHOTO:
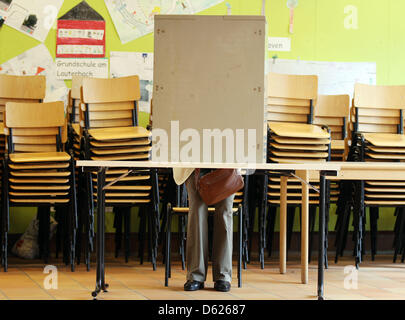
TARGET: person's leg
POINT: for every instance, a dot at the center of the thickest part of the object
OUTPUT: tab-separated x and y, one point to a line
223	238
197	240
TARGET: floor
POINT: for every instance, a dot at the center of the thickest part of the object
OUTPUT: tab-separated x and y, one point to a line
380	279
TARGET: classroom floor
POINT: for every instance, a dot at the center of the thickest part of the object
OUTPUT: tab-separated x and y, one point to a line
380	279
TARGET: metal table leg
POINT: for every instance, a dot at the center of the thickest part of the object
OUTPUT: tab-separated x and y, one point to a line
321	232
100	280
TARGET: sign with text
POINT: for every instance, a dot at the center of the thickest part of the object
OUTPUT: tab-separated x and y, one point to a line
85	67
279	44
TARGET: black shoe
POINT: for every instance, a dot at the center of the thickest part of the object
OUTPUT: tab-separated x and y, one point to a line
223	286
191	285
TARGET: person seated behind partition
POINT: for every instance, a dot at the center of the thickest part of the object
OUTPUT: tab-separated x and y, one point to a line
197	236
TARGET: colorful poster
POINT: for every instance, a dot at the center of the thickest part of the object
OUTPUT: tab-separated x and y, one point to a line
123	64
38	61
33	17
134	18
4	9
81	33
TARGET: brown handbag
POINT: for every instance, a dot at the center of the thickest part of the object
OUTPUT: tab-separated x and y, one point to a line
218	184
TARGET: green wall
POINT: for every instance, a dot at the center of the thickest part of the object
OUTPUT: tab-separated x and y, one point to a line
319	34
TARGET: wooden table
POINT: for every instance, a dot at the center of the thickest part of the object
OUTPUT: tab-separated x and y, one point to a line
351	171
305	171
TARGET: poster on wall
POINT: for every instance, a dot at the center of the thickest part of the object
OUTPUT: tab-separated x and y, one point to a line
38	61
333	77
134	18
32	17
81	33
66	68
123	64
4	7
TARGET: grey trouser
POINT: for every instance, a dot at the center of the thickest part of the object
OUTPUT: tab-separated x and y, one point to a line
197	237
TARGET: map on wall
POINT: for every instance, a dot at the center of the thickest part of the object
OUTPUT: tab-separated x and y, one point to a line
34	17
134	18
333	77
124	64
38	61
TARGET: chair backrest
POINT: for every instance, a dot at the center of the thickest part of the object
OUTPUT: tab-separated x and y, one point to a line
291	97
333	111
377	109
35	127
110	102
21	89
74	99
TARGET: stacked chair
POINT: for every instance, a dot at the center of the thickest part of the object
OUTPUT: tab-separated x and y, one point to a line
111	132
376	123
74	142
332	111
292	138
181	209
38	171
16	89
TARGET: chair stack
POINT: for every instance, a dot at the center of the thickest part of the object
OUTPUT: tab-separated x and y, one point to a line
15	89
111	133
292	138
377	136
39	173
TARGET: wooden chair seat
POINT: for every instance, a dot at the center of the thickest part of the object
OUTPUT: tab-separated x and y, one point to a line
39	166
385	139
186	210
386	150
52	187
13	180
34	201
39	157
126	179
296	201
298	130
121	143
133	156
76	129
300	154
299	147
120	150
119	133
337	144
295	160
282	140
38	194
117	201
384	203
386	183
385	196
393	190
386	156
124	194
40	173
127	188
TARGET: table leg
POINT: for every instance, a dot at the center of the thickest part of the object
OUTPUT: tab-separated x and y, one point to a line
321	249
283	224
100	280
304	175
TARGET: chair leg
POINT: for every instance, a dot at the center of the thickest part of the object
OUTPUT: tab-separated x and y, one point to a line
240	232
312	216
151	247
141	234
210	236
373	231
168	238
127	234
118	229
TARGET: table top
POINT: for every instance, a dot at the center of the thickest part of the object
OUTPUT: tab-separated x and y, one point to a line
311	166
